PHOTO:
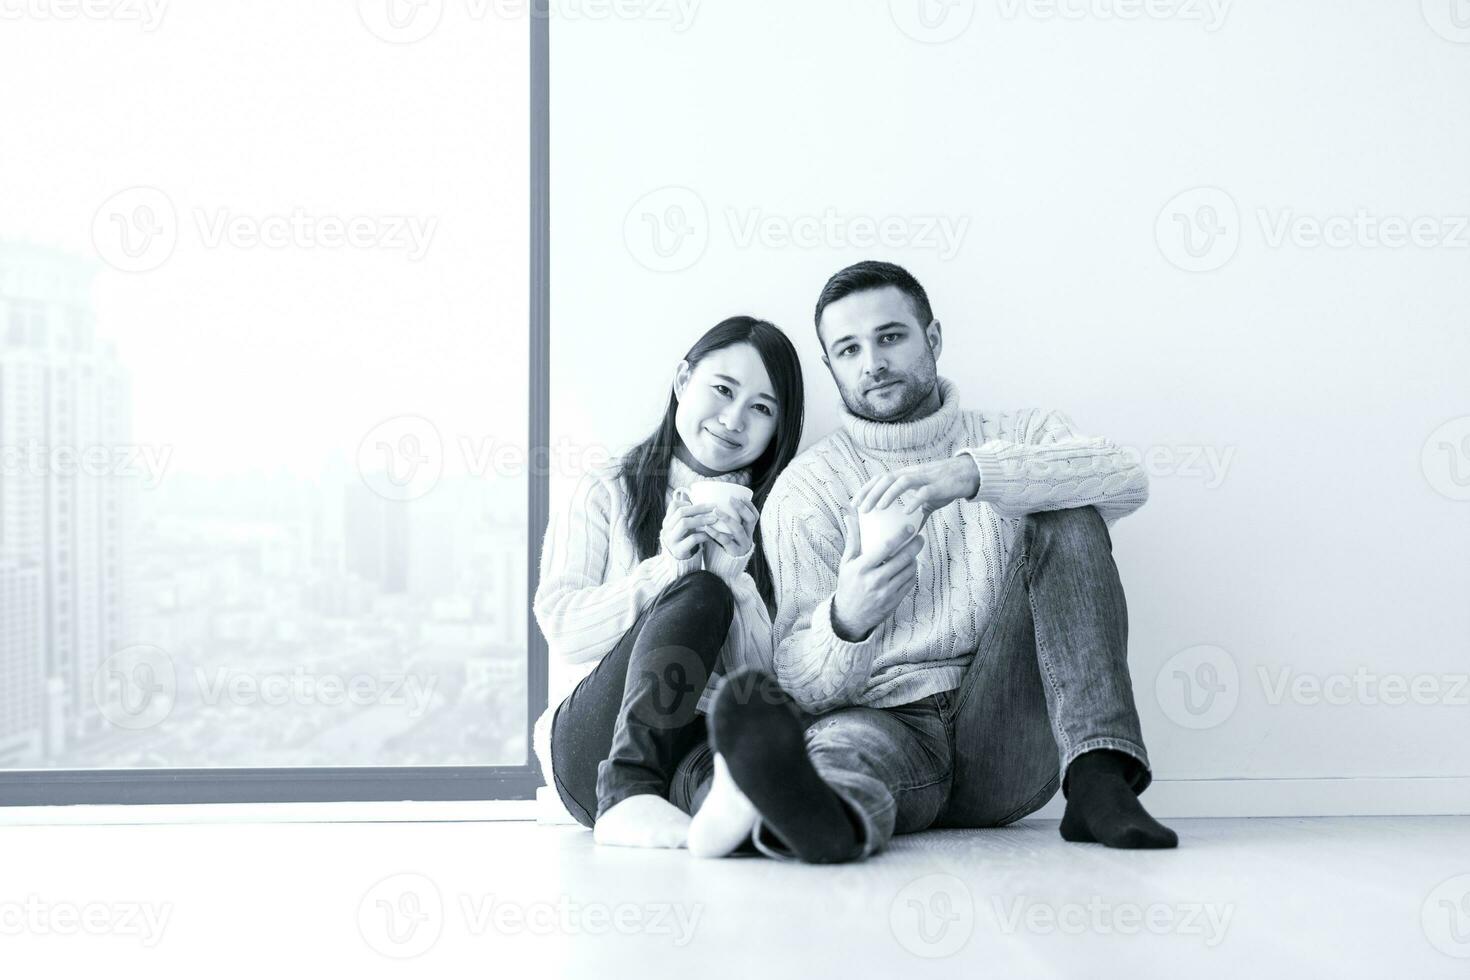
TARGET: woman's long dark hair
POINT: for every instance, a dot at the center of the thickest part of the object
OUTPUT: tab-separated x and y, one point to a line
645	469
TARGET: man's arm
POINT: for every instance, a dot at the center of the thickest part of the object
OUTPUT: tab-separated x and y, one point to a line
1053	467
819	669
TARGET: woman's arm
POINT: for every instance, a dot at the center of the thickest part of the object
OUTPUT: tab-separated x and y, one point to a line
581	615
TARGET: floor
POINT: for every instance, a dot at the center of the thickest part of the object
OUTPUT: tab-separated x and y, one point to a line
1330	897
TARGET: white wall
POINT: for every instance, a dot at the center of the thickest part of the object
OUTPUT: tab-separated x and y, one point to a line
1313	376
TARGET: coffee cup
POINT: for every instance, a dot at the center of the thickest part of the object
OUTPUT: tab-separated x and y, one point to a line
723	495
888	529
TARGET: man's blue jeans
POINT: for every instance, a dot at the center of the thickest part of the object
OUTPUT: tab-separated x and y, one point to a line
1049	681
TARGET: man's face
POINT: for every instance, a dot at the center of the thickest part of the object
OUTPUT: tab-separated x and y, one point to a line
881	357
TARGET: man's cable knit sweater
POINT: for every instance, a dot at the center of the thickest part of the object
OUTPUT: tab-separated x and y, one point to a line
1029	460
593	587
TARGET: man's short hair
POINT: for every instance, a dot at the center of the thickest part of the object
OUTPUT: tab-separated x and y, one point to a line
874	275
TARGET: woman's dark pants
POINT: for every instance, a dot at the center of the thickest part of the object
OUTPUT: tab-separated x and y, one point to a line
629	724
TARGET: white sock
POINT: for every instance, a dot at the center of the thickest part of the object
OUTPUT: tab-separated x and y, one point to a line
644	820
724	820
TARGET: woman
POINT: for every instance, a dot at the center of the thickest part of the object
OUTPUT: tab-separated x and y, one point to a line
644	600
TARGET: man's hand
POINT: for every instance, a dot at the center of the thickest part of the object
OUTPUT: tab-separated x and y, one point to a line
927	487
870	587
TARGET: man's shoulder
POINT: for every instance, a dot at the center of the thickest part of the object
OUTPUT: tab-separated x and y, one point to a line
1010	424
812	482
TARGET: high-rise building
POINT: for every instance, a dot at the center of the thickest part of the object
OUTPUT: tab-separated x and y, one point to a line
65	502
22	667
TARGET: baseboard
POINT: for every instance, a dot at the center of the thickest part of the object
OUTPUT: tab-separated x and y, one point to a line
1392	796
1413	796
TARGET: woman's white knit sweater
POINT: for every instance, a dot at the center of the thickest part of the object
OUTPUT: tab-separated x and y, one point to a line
593	586
1029	460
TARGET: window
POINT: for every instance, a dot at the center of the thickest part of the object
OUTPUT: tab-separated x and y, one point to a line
302	281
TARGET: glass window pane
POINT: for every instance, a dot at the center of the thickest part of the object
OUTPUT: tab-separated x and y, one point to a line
263	386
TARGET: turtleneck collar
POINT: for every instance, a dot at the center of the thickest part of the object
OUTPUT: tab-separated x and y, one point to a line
907	436
681	474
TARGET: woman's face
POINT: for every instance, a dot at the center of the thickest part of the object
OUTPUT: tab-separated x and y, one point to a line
727	414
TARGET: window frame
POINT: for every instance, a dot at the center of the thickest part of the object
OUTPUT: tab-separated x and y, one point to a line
322	784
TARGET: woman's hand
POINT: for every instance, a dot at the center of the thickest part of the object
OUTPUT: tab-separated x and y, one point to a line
685	527
738	541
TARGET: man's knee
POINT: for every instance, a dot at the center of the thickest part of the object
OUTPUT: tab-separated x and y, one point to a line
1069	526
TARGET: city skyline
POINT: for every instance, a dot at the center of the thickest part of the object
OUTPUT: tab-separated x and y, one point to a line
212	591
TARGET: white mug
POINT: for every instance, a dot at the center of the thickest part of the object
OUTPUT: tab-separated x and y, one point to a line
889	529
723	495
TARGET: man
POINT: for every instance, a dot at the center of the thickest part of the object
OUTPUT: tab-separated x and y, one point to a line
953	692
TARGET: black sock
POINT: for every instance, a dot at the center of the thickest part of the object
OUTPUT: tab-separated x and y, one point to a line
1102	807
755	727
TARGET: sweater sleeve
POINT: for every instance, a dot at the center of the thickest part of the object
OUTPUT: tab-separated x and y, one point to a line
581	615
819	669
1052	467
749	640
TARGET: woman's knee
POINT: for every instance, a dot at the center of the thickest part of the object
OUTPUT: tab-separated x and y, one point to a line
705	594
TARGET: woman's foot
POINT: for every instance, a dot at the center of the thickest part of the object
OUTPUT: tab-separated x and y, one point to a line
725	819
644	820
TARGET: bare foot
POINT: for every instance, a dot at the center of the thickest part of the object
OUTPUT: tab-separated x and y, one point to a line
642	821
726	818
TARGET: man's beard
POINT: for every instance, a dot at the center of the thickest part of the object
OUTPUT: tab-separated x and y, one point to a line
913	393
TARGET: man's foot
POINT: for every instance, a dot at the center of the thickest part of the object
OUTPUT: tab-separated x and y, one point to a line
644	820
726	818
1103	809
754	727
